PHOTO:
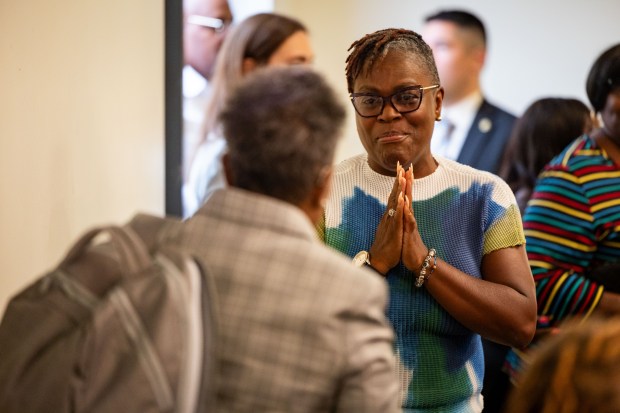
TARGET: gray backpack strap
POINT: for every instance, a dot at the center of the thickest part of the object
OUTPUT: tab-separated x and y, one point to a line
154	230
133	254
88	271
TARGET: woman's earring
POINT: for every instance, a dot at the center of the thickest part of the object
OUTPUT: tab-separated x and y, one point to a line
438	119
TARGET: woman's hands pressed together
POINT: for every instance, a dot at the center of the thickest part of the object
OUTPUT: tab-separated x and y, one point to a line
414	251
397	237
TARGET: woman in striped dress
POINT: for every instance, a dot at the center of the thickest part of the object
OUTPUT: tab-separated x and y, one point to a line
572	222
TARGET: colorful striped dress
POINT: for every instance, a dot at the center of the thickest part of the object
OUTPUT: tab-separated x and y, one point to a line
464	214
572	224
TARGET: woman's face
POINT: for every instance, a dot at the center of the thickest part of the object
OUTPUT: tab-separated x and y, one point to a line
296	49
393	137
610	115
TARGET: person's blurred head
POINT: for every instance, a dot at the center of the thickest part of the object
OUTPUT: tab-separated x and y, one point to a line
205	24
546	127
603	89
282	125
396	63
575	371
264	39
458	40
269	39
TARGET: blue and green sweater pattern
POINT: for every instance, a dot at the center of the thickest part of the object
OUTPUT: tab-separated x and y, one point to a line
464	214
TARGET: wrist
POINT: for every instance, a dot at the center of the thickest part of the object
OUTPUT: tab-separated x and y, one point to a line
428	267
362	258
377	263
376	266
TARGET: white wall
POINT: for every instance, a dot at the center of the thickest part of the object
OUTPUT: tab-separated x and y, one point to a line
536	47
244	8
81	124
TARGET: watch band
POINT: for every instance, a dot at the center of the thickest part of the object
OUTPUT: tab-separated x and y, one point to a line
362	259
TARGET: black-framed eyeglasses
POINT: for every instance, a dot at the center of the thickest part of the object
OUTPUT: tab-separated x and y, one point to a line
405	100
218	25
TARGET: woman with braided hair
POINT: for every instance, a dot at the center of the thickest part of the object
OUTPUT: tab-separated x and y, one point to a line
575	371
572	220
446	237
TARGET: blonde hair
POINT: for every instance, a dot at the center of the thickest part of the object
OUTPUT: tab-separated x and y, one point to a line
576	371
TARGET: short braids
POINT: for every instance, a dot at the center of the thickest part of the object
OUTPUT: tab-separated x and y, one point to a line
371	48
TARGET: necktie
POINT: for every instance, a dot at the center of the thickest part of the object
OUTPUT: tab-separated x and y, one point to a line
448	129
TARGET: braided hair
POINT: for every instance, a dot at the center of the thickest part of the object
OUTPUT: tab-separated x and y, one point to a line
373	47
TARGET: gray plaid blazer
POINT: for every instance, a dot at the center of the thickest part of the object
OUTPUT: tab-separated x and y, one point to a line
300	328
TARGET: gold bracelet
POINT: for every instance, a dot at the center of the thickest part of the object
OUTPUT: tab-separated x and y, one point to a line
432	255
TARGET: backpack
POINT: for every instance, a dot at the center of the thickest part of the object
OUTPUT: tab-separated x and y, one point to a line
122	326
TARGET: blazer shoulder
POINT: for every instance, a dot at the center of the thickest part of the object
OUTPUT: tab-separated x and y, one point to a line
495	112
487	137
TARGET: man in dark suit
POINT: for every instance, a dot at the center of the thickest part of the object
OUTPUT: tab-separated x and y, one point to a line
473	132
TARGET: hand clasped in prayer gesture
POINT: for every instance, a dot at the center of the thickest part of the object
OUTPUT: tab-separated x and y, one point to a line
397	237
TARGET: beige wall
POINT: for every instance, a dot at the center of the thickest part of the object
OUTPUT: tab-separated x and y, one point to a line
332	27
536	48
81	124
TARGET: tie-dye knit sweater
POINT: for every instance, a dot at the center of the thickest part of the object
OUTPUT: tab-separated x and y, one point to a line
464	214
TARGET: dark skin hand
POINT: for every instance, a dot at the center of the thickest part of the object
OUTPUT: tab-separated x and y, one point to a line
388	248
386	245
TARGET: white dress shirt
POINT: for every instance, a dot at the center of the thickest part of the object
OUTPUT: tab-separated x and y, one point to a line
461	116
195	92
206	174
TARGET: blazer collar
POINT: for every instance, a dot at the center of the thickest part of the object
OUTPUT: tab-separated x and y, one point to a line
257	210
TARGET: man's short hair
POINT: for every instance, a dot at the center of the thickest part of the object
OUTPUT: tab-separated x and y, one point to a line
282	125
462	19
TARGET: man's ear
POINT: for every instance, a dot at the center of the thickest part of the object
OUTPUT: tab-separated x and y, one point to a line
249	64
227	170
314	204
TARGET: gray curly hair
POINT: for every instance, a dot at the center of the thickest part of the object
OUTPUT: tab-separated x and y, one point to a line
282	126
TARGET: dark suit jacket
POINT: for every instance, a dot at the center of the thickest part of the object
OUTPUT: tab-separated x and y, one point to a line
483	149
487	138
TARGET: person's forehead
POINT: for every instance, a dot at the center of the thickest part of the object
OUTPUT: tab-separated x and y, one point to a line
440	29
396	69
297	45
440	26
210	8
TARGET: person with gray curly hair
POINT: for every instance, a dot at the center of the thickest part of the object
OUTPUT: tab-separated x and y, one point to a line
282	134
292	333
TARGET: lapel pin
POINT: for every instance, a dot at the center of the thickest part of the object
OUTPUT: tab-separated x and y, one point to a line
485	125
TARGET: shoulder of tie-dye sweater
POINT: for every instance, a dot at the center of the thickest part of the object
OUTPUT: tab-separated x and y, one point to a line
505	231
320	228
